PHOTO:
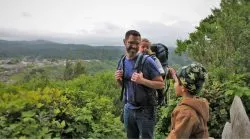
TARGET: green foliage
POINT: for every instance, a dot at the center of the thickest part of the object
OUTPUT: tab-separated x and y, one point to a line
103	84
69	71
164	116
2	69
220	96
83	107
79	68
73	70
62	72
36	78
222	39
93	67
221	42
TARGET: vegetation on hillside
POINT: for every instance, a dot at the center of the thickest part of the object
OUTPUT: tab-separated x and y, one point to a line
81	99
40	108
221	42
50	50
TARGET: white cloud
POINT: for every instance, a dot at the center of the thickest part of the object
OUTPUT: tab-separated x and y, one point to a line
101	22
26	15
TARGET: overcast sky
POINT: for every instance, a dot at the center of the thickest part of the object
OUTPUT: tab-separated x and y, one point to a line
101	22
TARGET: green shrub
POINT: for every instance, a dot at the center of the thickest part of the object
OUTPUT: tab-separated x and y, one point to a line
79	109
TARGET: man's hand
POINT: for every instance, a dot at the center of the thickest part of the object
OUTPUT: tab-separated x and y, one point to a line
137	78
156	83
118	75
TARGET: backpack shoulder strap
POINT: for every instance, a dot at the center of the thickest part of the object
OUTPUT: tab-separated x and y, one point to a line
121	66
140	62
145	58
120	63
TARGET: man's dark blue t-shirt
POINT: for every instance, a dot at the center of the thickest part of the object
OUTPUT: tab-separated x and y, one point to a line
150	70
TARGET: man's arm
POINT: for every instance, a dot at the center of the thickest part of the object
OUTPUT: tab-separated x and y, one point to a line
156	83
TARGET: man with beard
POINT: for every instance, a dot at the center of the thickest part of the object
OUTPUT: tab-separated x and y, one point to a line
140	88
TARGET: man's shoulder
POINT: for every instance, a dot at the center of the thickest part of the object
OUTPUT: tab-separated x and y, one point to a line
123	57
148	59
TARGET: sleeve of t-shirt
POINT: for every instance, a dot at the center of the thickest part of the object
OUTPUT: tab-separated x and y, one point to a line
152	69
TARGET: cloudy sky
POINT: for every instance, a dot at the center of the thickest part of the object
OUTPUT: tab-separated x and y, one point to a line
101	22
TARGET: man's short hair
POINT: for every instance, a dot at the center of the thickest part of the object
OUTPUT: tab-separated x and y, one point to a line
132	32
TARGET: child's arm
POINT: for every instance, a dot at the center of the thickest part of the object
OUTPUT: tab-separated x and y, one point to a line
183	124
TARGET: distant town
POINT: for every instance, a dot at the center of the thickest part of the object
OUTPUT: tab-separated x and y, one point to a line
11	66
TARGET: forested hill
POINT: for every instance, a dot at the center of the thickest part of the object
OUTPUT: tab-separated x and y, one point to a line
47	49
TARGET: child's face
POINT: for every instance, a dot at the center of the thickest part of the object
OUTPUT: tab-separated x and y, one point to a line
144	46
178	88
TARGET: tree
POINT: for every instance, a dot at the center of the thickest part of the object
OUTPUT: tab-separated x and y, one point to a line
222	39
68	73
79	69
221	42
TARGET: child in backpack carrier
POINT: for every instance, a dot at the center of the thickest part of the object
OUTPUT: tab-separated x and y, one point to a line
189	118
144	47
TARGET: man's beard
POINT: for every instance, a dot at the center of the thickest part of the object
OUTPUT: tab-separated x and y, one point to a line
132	51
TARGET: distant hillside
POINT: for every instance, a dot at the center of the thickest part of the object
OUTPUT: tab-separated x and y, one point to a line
47	49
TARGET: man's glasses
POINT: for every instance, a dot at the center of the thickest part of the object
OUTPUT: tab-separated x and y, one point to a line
133	43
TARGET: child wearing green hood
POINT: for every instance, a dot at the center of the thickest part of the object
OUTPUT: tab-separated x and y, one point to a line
189	118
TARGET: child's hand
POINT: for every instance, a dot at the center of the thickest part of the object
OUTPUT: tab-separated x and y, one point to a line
172	72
